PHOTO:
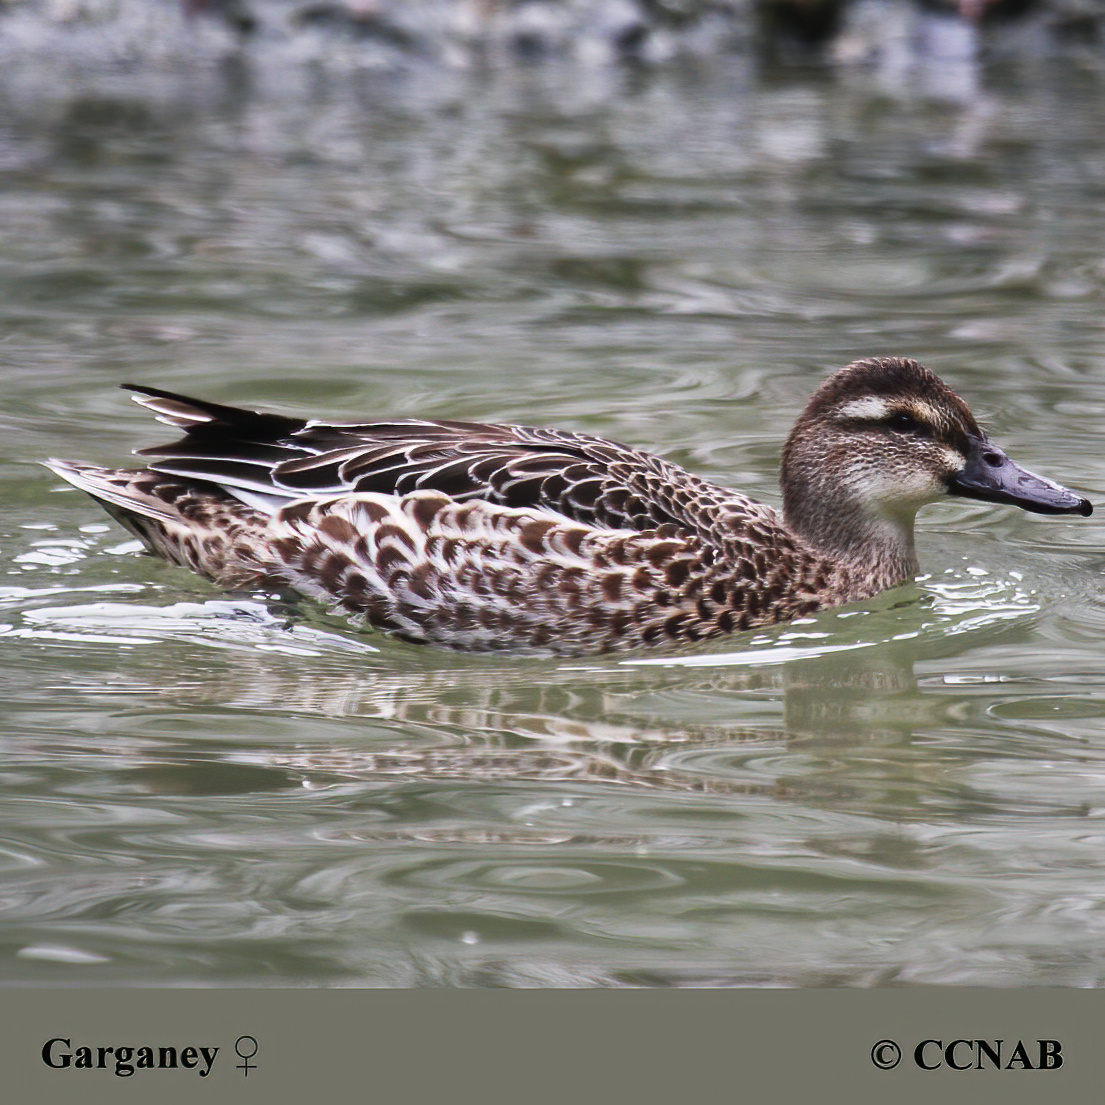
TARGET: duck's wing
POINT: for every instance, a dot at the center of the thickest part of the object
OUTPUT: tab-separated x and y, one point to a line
268	460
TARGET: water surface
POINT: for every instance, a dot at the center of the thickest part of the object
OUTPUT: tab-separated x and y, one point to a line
212	789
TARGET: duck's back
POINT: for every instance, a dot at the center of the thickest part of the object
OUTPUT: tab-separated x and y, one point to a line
268	460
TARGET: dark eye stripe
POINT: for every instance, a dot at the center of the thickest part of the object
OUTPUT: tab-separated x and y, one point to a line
901	422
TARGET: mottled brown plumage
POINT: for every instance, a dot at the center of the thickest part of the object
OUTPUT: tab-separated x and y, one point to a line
483	537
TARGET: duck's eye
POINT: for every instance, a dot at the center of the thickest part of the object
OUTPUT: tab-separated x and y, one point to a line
905	423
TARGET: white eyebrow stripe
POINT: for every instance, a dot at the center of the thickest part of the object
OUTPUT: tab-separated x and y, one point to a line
870	406
875	408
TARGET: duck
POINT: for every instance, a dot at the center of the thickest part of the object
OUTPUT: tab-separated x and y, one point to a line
484	537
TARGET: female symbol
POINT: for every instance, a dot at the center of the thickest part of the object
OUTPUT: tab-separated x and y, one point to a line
250	1044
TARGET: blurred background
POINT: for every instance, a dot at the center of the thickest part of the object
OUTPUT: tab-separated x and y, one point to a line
661	221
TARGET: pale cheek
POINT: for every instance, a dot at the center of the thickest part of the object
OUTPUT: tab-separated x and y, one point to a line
953	461
880	487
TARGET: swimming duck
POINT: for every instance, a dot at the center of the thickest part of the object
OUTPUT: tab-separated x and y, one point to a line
481	537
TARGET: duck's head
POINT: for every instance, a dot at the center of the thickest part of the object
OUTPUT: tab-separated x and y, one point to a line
881	438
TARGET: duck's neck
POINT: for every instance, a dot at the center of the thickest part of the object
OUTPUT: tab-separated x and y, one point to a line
874	550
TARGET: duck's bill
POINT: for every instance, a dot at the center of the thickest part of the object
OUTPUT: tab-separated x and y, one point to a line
991	476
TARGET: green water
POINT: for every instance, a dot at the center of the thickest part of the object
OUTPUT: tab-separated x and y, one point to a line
201	788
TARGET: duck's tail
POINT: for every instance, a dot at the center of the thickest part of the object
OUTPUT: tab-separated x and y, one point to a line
198	527
122	492
206	418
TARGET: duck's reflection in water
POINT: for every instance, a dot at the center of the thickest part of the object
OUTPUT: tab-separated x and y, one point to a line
661	728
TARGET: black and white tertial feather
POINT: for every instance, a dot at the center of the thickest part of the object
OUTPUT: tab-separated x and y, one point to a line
479	536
